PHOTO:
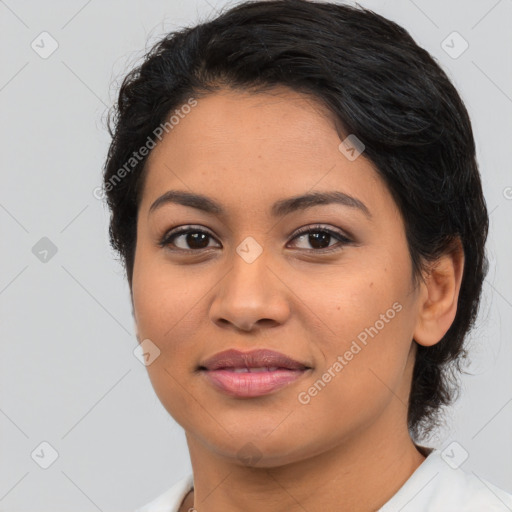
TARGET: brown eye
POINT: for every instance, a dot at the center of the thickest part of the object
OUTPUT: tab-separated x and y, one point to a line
187	239
319	238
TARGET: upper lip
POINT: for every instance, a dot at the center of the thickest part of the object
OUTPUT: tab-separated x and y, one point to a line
254	359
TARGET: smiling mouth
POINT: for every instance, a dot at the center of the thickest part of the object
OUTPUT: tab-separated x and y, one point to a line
251	374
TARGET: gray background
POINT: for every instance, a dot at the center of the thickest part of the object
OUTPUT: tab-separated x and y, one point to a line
67	369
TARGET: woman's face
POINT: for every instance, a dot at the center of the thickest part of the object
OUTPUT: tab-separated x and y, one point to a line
339	300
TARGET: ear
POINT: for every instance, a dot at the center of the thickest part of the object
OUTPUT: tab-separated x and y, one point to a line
437	303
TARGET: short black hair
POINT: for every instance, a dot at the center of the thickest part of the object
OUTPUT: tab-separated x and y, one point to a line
381	86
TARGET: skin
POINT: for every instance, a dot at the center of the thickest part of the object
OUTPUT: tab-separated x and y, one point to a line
349	448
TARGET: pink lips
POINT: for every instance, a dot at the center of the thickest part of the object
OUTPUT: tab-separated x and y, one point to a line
251	374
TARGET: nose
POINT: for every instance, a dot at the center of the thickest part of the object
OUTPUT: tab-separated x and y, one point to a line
251	295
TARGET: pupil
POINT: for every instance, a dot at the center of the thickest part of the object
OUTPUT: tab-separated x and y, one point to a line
322	236
195	238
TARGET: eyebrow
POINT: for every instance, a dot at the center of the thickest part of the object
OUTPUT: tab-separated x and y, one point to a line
279	208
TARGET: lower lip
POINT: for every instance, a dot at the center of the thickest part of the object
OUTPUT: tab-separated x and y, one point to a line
247	384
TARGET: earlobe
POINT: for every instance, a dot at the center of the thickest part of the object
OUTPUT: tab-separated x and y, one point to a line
437	303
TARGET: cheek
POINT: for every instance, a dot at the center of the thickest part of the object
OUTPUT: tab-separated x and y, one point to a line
352	299
164	296
362	374
365	338
163	307
169	308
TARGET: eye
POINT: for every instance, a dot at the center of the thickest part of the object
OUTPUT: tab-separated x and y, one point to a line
195	238
319	237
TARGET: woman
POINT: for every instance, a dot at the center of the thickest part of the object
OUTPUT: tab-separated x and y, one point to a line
296	200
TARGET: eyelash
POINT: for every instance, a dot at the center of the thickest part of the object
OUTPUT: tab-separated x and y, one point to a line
343	240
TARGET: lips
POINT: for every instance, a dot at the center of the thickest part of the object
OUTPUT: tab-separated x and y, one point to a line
251	374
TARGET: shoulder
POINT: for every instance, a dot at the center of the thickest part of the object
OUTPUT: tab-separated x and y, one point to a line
170	500
437	486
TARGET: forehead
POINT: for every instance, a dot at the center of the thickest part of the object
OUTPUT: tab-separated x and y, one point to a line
233	120
261	147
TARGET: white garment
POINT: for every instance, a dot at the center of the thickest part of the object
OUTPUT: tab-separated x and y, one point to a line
433	487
